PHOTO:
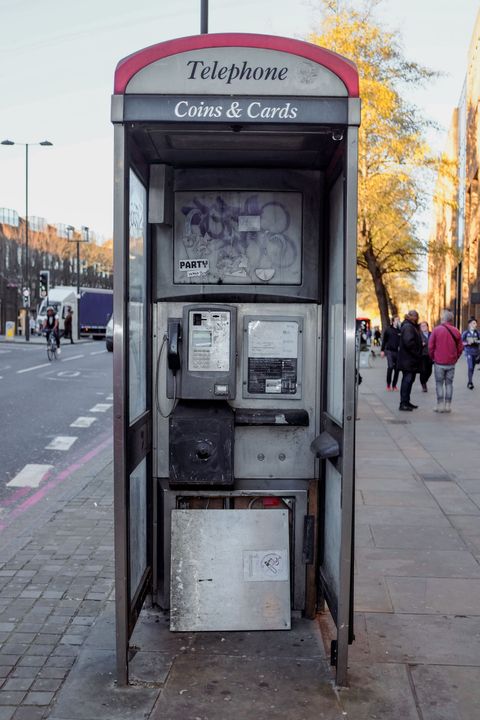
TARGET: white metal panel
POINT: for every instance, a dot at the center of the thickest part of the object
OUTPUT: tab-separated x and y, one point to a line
230	570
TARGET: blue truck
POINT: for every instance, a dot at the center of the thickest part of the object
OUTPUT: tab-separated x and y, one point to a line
92	310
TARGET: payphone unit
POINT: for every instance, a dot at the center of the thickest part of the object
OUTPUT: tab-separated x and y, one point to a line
235	222
201	352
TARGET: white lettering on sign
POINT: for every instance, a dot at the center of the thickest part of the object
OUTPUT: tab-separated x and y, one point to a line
235	111
201	70
256	110
185	109
200	266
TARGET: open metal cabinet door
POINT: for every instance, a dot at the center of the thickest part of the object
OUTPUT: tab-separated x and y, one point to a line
132	404
338	420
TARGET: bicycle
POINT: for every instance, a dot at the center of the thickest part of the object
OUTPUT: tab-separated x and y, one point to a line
51	347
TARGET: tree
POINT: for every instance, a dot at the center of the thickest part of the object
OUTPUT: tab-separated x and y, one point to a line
393	155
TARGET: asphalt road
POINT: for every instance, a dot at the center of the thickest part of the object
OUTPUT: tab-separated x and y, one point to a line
39	401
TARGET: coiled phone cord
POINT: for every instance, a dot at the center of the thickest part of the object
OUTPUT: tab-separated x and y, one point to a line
157	399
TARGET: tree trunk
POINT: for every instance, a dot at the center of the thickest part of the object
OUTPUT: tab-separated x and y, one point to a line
379	285
392	305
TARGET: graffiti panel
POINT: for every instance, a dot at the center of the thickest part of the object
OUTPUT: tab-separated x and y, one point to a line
238	237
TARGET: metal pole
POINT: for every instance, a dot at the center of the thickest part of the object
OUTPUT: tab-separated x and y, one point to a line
78	289
27	269
204	17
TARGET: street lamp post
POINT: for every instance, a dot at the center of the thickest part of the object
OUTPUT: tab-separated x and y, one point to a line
84	237
204	17
26	279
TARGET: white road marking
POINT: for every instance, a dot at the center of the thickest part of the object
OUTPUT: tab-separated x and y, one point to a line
30	476
35	367
109	397
68	373
83	422
98	352
100	407
3	352
74	357
61	442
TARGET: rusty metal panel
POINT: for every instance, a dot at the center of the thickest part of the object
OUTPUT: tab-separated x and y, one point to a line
230	570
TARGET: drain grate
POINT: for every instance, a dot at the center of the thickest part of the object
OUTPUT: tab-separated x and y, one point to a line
398	422
435	477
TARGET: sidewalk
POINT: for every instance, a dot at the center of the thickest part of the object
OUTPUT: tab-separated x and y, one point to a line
417	649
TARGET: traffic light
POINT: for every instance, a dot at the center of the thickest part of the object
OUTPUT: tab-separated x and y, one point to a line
44	282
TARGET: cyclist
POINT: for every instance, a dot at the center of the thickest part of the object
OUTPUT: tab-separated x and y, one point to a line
50	325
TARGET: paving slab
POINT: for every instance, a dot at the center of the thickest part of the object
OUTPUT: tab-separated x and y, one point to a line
447	693
90	692
380	691
376	562
448	596
391	482
399	498
372	594
273	688
429	639
302	641
452	499
416	537
423	517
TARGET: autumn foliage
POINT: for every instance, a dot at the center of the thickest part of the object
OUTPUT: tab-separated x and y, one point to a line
393	155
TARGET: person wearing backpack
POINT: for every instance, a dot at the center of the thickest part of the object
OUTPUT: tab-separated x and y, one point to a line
445	347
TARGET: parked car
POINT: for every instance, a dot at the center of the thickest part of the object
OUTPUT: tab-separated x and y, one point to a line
109	335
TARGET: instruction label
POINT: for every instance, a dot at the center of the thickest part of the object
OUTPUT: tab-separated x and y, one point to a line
272	357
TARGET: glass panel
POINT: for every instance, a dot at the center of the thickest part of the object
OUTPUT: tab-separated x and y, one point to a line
138	525
335	305
332	531
137	306
238	237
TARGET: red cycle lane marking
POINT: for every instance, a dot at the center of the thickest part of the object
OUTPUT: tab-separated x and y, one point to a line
16	495
50	484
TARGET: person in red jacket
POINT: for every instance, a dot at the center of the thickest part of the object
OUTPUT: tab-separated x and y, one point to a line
445	347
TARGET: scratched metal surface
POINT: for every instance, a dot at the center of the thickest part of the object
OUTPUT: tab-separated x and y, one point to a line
230	570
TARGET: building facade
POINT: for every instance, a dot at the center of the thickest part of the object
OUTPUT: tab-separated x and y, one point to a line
48	249
454	262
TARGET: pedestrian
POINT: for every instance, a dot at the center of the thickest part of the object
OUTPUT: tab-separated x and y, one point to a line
376	336
445	347
471	344
390	344
426	364
67	325
409	356
33	324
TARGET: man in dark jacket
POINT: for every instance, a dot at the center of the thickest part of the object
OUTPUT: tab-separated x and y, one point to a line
390	343
409	357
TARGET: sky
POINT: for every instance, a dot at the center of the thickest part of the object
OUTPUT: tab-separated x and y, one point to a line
57	62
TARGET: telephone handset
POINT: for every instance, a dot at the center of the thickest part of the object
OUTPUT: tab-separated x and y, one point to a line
173	351
201	353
